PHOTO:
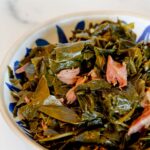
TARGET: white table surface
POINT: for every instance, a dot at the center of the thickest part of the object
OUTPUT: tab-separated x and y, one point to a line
19	16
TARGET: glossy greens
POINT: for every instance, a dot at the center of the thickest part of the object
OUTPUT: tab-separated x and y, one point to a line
92	93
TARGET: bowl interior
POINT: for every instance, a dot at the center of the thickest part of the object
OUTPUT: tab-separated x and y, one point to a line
55	31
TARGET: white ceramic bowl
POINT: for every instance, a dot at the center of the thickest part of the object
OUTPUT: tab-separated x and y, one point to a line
54	31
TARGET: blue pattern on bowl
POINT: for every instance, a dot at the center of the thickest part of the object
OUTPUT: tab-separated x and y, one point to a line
12	88
41	42
12	106
16	66
61	35
145	36
28	50
24	127
80	25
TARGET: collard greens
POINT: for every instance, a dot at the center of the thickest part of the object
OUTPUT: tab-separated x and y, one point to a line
92	93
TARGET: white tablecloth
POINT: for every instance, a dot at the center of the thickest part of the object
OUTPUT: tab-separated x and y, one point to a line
19	16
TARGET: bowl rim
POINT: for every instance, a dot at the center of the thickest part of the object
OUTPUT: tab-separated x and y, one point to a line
16	45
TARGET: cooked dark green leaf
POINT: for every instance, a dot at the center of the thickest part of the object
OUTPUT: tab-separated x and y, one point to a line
61	113
88	137
94	85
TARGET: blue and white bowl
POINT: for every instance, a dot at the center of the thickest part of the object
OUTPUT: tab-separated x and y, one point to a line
54	31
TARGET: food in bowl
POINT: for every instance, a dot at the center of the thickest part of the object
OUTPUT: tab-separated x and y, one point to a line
90	93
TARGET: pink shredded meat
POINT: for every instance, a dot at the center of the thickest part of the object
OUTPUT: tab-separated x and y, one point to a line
116	72
68	76
93	74
71	96
141	122
22	69
27	100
